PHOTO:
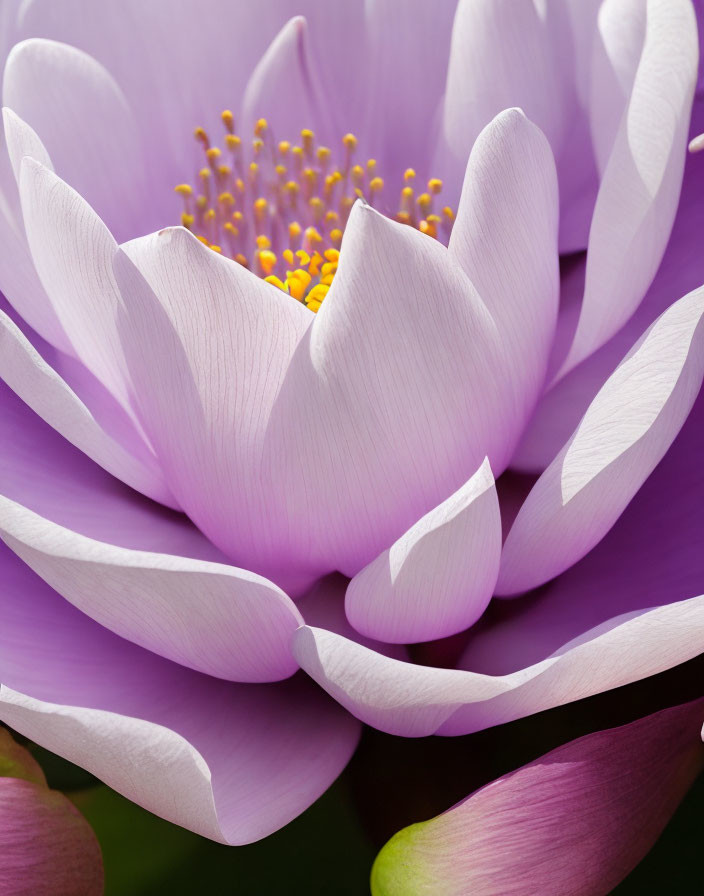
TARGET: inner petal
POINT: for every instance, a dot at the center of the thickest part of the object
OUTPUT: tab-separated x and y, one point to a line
280	208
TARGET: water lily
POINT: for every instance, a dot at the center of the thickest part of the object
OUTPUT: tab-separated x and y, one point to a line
328	327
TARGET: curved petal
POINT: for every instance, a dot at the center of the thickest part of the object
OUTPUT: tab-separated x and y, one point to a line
682	270
576	820
397	391
324	607
287	90
180	68
27	374
18	277
121	563
616	53
438	578
626	431
83	119
72	250
518	44
638	196
48	848
505	239
45	473
209	345
217	619
232	762
632	608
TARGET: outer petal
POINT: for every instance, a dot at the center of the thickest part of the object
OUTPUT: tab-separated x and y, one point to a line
640	188
575	821
681	270
18	277
220	620
26	372
616	53
83	119
627	429
629	610
505	239
231	762
48	848
72	251
438	578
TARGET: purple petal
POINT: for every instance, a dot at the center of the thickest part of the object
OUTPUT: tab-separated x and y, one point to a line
400	412
133	568
72	250
27	374
438	578
18	277
287	90
616	53
505	239
83	119
577	820
630	609
681	270
232	762
406	90
640	188
626	431
209	345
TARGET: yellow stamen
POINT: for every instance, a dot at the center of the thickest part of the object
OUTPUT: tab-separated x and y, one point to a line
228	119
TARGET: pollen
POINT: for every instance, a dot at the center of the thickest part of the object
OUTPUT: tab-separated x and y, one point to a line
279	207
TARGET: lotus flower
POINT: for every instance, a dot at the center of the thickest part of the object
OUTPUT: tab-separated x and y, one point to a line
413	325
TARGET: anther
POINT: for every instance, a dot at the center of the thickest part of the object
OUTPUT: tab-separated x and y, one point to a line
228	119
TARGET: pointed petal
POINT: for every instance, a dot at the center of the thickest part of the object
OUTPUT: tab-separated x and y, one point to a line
286	89
72	251
48	848
27	374
640	188
18	277
515	41
624	434
577	820
681	270
232	762
617	49
82	117
438	578
505	239
400	388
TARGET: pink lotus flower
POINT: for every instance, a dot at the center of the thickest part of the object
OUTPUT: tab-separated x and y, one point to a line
321	457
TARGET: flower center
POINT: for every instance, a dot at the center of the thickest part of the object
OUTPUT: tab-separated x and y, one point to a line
280	208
